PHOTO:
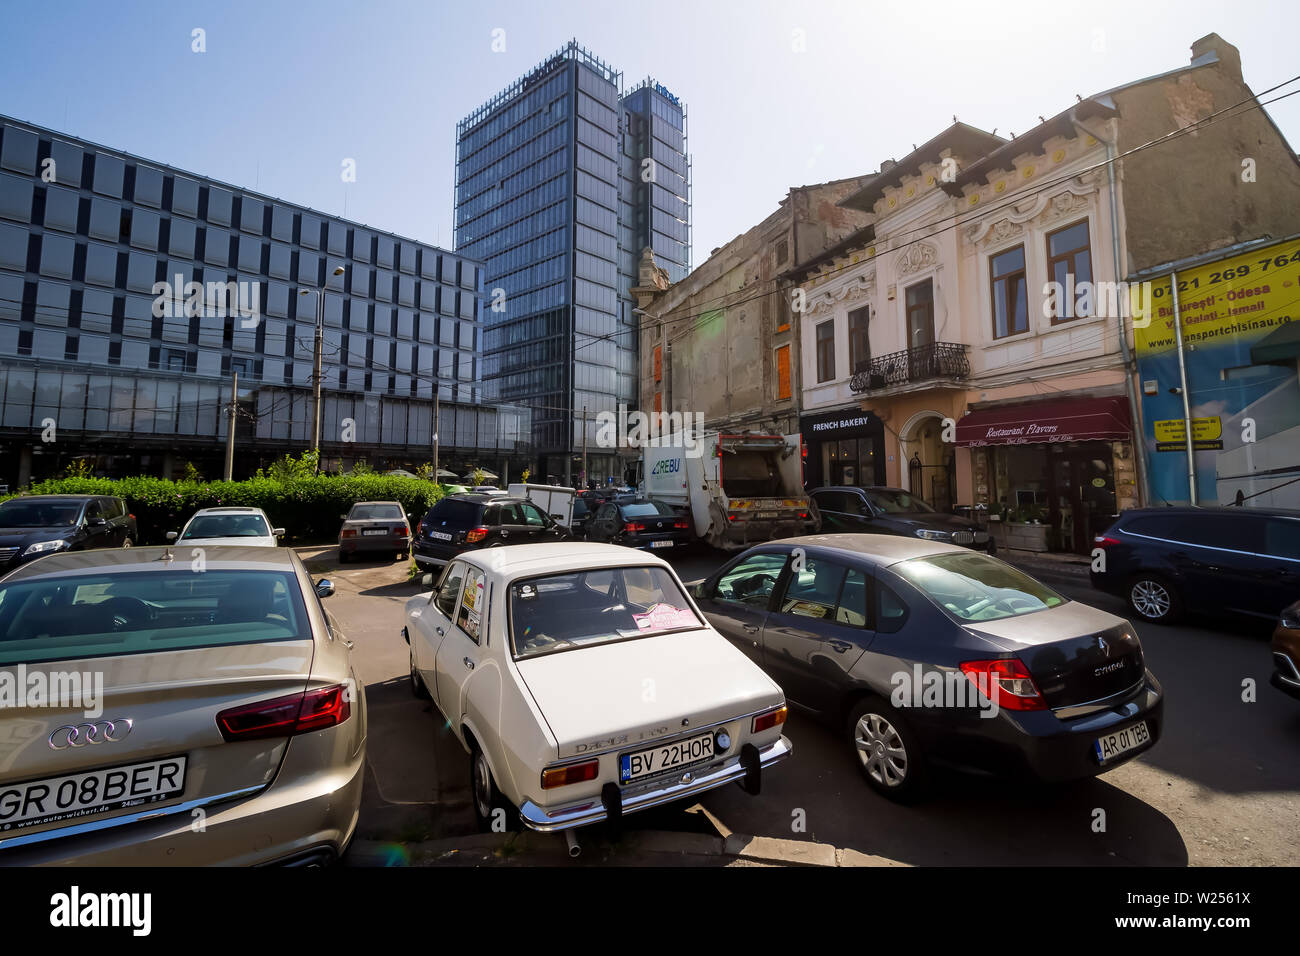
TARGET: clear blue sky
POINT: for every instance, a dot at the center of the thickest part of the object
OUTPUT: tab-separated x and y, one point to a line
287	91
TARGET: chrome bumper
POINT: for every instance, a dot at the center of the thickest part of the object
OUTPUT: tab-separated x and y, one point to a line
593	811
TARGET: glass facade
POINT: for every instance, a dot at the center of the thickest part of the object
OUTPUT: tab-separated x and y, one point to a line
550	197
90	339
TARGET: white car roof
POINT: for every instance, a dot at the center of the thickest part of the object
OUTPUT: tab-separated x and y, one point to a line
525	560
229	511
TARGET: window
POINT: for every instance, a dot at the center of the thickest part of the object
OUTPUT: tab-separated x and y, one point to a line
891	612
532	516
782	251
1282	538
826	351
659	402
659	363
814	591
751	581
859	344
783	372
1010	293
782	312
1068	255
449	590
975	587
920	315
470	614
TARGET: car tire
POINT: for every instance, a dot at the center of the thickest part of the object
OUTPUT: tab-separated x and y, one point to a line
1154	599
887	751
418	690
489	805
127	542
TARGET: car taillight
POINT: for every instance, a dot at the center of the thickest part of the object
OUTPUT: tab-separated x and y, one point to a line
475	536
571	773
680	525
633	526
769	719
803	515
1104	541
404	531
349	533
1006	682
287	716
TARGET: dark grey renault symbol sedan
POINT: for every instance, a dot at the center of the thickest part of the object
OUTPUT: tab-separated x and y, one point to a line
925	653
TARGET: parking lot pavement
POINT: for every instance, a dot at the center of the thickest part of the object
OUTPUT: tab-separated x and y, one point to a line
1222	787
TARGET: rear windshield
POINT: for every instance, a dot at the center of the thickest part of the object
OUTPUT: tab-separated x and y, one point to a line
367	512
584	608
225	526
645	509
456	514
107	615
17	513
975	587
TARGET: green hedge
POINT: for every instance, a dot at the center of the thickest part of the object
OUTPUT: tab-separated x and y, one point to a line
308	508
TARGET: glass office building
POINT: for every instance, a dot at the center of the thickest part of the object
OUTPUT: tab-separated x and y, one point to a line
130	292
550	196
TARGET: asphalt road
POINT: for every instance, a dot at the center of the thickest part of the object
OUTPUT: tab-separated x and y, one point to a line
1222	787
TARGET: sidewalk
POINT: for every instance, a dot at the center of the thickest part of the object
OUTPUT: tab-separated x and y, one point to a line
1069	570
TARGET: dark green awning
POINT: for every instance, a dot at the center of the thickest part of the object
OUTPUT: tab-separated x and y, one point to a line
1280	345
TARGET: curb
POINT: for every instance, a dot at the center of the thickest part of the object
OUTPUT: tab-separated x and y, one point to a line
501	847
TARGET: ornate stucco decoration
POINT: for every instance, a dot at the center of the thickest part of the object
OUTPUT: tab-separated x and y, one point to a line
916	257
855	290
1076	196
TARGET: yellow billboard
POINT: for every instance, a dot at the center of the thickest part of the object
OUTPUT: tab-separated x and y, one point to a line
1237	299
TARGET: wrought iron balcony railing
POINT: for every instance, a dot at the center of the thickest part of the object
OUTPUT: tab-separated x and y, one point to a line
939	360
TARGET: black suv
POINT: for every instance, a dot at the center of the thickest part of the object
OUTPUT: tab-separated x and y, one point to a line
1165	561
468	522
880	510
32	526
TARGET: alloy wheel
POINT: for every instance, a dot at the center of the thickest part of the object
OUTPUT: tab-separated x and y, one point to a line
1151	599
482	786
881	750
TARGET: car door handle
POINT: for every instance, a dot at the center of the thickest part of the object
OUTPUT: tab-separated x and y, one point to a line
440	631
750	628
505	534
839	646
468	663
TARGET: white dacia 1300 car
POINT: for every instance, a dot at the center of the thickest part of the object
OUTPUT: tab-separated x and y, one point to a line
586	684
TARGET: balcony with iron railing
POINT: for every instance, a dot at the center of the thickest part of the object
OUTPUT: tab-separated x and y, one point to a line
939	360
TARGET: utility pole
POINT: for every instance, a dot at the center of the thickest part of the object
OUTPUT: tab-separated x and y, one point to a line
584	446
1192	496
436	395
316	373
230	426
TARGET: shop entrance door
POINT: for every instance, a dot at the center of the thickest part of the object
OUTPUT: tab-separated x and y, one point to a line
1082	494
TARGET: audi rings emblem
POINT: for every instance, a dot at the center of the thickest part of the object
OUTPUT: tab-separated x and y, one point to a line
78	735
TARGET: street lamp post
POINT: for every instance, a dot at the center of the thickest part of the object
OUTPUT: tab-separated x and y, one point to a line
317	361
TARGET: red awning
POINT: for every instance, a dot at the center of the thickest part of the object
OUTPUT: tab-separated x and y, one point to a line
1074	419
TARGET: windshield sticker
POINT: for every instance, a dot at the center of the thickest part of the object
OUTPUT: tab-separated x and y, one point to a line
662	617
527	592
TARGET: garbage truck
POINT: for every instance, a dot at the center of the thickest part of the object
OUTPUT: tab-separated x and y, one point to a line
738	488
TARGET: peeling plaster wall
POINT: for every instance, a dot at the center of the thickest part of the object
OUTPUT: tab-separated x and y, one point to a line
1187	197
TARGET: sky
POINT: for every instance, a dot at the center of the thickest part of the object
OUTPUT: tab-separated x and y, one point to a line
778	94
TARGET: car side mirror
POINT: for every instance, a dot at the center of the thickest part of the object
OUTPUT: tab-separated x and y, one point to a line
697	591
278	532
324	588
426	581
172	535
95	522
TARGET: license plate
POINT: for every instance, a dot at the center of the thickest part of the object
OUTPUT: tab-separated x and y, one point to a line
682	753
376	531
661	544
1111	746
441	536
766	514
76	795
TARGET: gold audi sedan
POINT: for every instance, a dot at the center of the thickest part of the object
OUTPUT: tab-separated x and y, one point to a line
175	706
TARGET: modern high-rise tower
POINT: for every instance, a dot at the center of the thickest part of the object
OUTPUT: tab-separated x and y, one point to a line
562	182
